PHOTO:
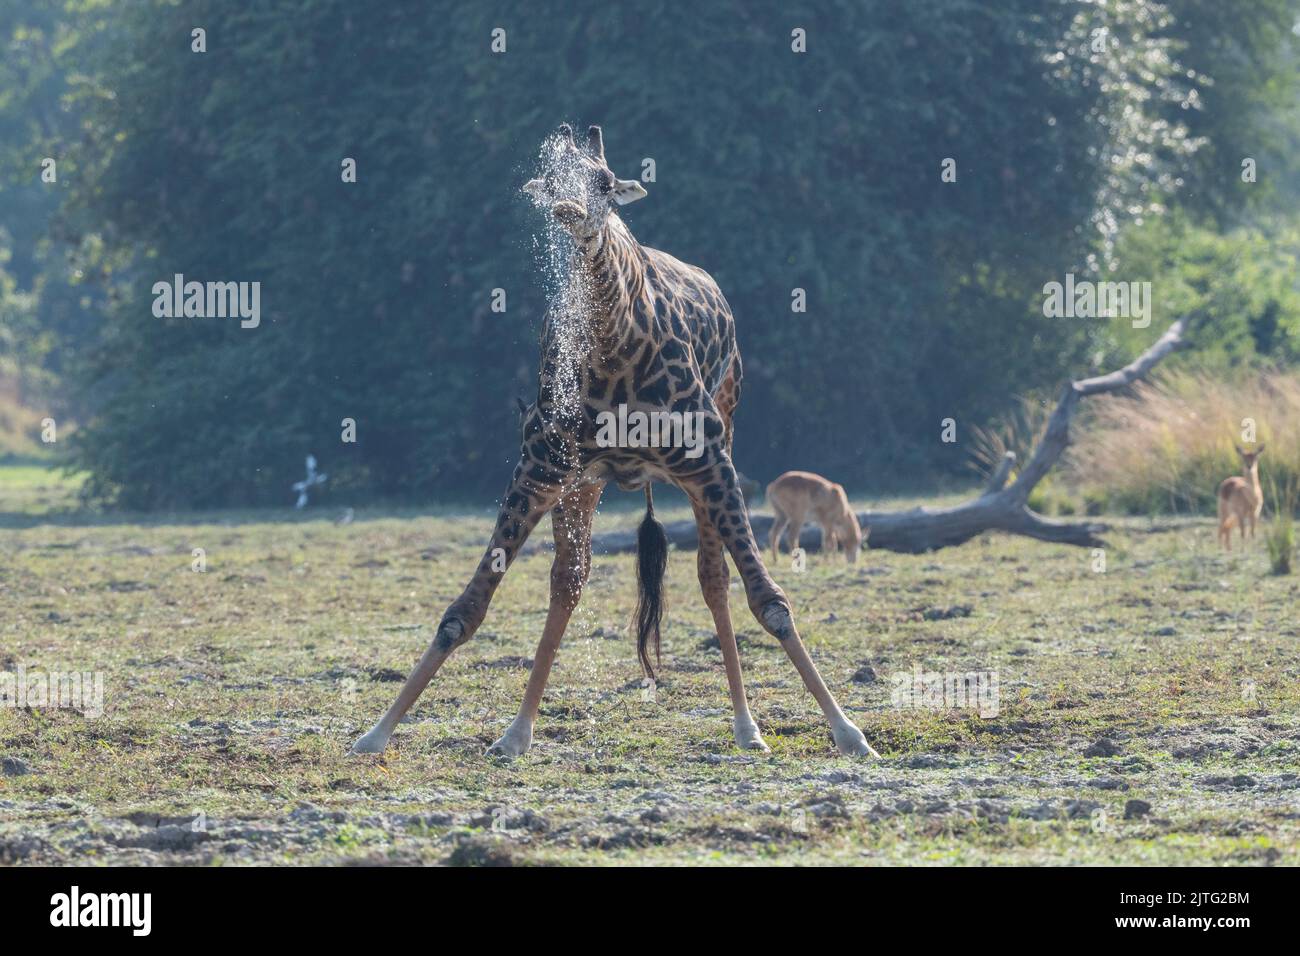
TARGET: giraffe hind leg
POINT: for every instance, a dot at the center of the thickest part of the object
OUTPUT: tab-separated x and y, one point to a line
715	583
726	512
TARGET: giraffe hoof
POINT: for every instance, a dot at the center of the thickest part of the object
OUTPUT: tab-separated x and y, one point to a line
850	742
748	737
373	742
513	743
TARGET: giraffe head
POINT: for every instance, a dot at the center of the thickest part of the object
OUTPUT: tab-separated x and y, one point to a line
577	186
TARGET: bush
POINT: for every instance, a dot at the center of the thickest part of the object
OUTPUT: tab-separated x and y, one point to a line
1281	534
924	300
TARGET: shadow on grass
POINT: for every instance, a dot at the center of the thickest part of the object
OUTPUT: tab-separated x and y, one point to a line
34	493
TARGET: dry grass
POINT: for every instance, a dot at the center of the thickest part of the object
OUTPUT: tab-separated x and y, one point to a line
1168	445
1017	432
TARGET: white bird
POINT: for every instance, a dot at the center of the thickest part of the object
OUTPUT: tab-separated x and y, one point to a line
312	479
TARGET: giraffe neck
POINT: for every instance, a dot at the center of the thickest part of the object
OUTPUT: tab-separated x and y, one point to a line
593	333
613	269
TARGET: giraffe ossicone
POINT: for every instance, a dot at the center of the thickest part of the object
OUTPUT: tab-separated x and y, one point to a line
630	329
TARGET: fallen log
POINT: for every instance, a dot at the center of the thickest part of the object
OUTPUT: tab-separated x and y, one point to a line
912	532
998	508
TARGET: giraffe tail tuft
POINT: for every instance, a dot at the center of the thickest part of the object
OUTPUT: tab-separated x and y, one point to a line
651	563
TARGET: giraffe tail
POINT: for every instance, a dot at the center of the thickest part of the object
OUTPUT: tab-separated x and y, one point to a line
651	563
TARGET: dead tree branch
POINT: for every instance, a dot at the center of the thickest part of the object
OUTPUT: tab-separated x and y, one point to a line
998	508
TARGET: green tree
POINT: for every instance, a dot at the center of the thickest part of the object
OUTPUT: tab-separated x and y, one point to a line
775	170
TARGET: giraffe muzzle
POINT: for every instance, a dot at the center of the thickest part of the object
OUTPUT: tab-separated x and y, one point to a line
569	212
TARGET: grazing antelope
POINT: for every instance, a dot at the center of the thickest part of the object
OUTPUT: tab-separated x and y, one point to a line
1240	498
795	494
657	338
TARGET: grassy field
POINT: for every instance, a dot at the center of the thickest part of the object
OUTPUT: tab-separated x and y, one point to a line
1148	713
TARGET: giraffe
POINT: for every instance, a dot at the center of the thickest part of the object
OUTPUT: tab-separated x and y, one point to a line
655	336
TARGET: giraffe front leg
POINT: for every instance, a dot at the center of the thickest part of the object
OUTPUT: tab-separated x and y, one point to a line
571	520
726	512
525	502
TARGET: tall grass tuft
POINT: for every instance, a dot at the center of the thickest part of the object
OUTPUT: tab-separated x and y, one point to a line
1019	431
1167	444
1281	533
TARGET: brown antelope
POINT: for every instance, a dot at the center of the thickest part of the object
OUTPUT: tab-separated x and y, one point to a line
1240	498
657	339
795	494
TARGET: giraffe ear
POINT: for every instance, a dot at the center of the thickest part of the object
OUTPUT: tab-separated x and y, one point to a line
626	191
533	187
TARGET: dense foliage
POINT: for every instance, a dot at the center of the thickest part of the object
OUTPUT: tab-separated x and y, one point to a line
775	170
48	305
